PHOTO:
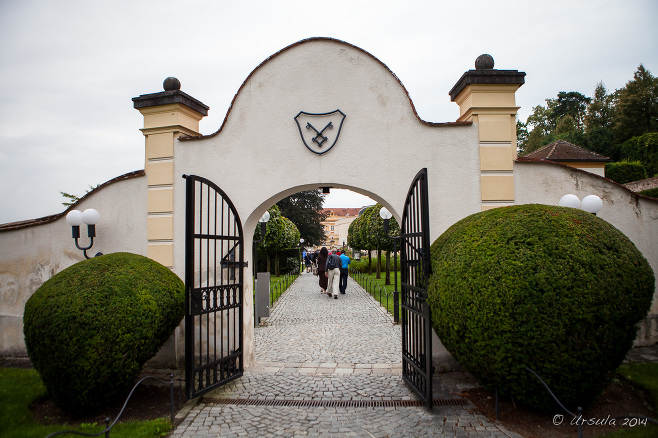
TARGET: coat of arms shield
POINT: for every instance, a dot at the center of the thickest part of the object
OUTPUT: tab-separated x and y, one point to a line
320	131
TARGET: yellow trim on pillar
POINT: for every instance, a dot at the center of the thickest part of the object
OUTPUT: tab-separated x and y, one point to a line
160	228
497	157
494	127
160	145
160	200
162	253
497	187
487	96
160	172
171	115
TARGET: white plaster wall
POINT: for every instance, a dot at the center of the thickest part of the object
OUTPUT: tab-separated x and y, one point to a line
342	228
30	256
635	216
258	157
594	170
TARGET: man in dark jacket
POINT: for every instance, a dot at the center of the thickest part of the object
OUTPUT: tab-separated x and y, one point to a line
332	269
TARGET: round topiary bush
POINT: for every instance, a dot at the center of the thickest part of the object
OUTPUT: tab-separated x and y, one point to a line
554	289
91	327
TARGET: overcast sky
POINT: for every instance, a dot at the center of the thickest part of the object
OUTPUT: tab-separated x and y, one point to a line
69	69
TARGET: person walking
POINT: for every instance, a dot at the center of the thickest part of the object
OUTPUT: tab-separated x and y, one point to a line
345	263
307	261
314	261
332	269
322	275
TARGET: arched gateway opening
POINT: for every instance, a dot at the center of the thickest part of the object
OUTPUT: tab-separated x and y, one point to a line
215	281
319	113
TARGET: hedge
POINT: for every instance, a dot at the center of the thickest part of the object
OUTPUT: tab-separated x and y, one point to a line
91	327
554	289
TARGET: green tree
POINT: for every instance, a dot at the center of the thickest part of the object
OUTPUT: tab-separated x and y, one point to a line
600	109
304	209
354	234
637	106
72	199
645	150
600	139
375	237
535	141
281	234
521	136
542	118
539	125
602	124
571	104
357	237
566	125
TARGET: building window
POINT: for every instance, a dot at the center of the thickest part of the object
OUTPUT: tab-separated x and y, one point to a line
332	228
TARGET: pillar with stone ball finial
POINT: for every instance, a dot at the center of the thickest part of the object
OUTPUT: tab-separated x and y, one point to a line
168	115
486	97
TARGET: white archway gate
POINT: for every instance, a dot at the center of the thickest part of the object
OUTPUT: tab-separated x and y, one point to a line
214	307
261	154
324	113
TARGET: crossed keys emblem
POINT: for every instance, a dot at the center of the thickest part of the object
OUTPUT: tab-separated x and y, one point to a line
317	140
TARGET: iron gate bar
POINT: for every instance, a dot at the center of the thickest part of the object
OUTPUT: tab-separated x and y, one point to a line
211	237
415	270
213	305
332	403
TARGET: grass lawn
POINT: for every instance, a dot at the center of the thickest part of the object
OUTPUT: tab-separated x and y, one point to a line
19	388
646	376
278	285
378	289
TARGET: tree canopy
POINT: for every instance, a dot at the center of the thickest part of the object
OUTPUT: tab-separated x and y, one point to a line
281	233
367	231
610	124
304	209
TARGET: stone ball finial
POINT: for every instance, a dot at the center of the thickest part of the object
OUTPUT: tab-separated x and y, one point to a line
171	83
484	62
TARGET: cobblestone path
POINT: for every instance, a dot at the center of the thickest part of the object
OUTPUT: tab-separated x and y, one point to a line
331	368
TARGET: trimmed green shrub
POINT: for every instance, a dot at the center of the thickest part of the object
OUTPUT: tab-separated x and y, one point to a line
91	327
554	289
625	171
650	192
361	265
645	150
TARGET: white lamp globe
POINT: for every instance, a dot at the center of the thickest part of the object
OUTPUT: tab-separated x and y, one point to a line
90	216
592	204
265	217
74	218
570	200
385	214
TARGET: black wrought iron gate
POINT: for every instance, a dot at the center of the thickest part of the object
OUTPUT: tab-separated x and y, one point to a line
416	267
214	255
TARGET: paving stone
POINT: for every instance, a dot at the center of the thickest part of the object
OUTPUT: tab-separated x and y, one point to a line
313	349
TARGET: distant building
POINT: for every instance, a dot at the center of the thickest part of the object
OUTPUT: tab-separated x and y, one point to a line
571	155
337	224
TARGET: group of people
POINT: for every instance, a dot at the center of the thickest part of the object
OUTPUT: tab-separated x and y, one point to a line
331	269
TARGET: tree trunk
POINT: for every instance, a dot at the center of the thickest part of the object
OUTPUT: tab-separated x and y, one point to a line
269	265
379	264
369	262
276	264
388	268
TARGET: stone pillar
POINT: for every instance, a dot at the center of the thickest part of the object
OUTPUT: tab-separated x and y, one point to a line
487	97
167	115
